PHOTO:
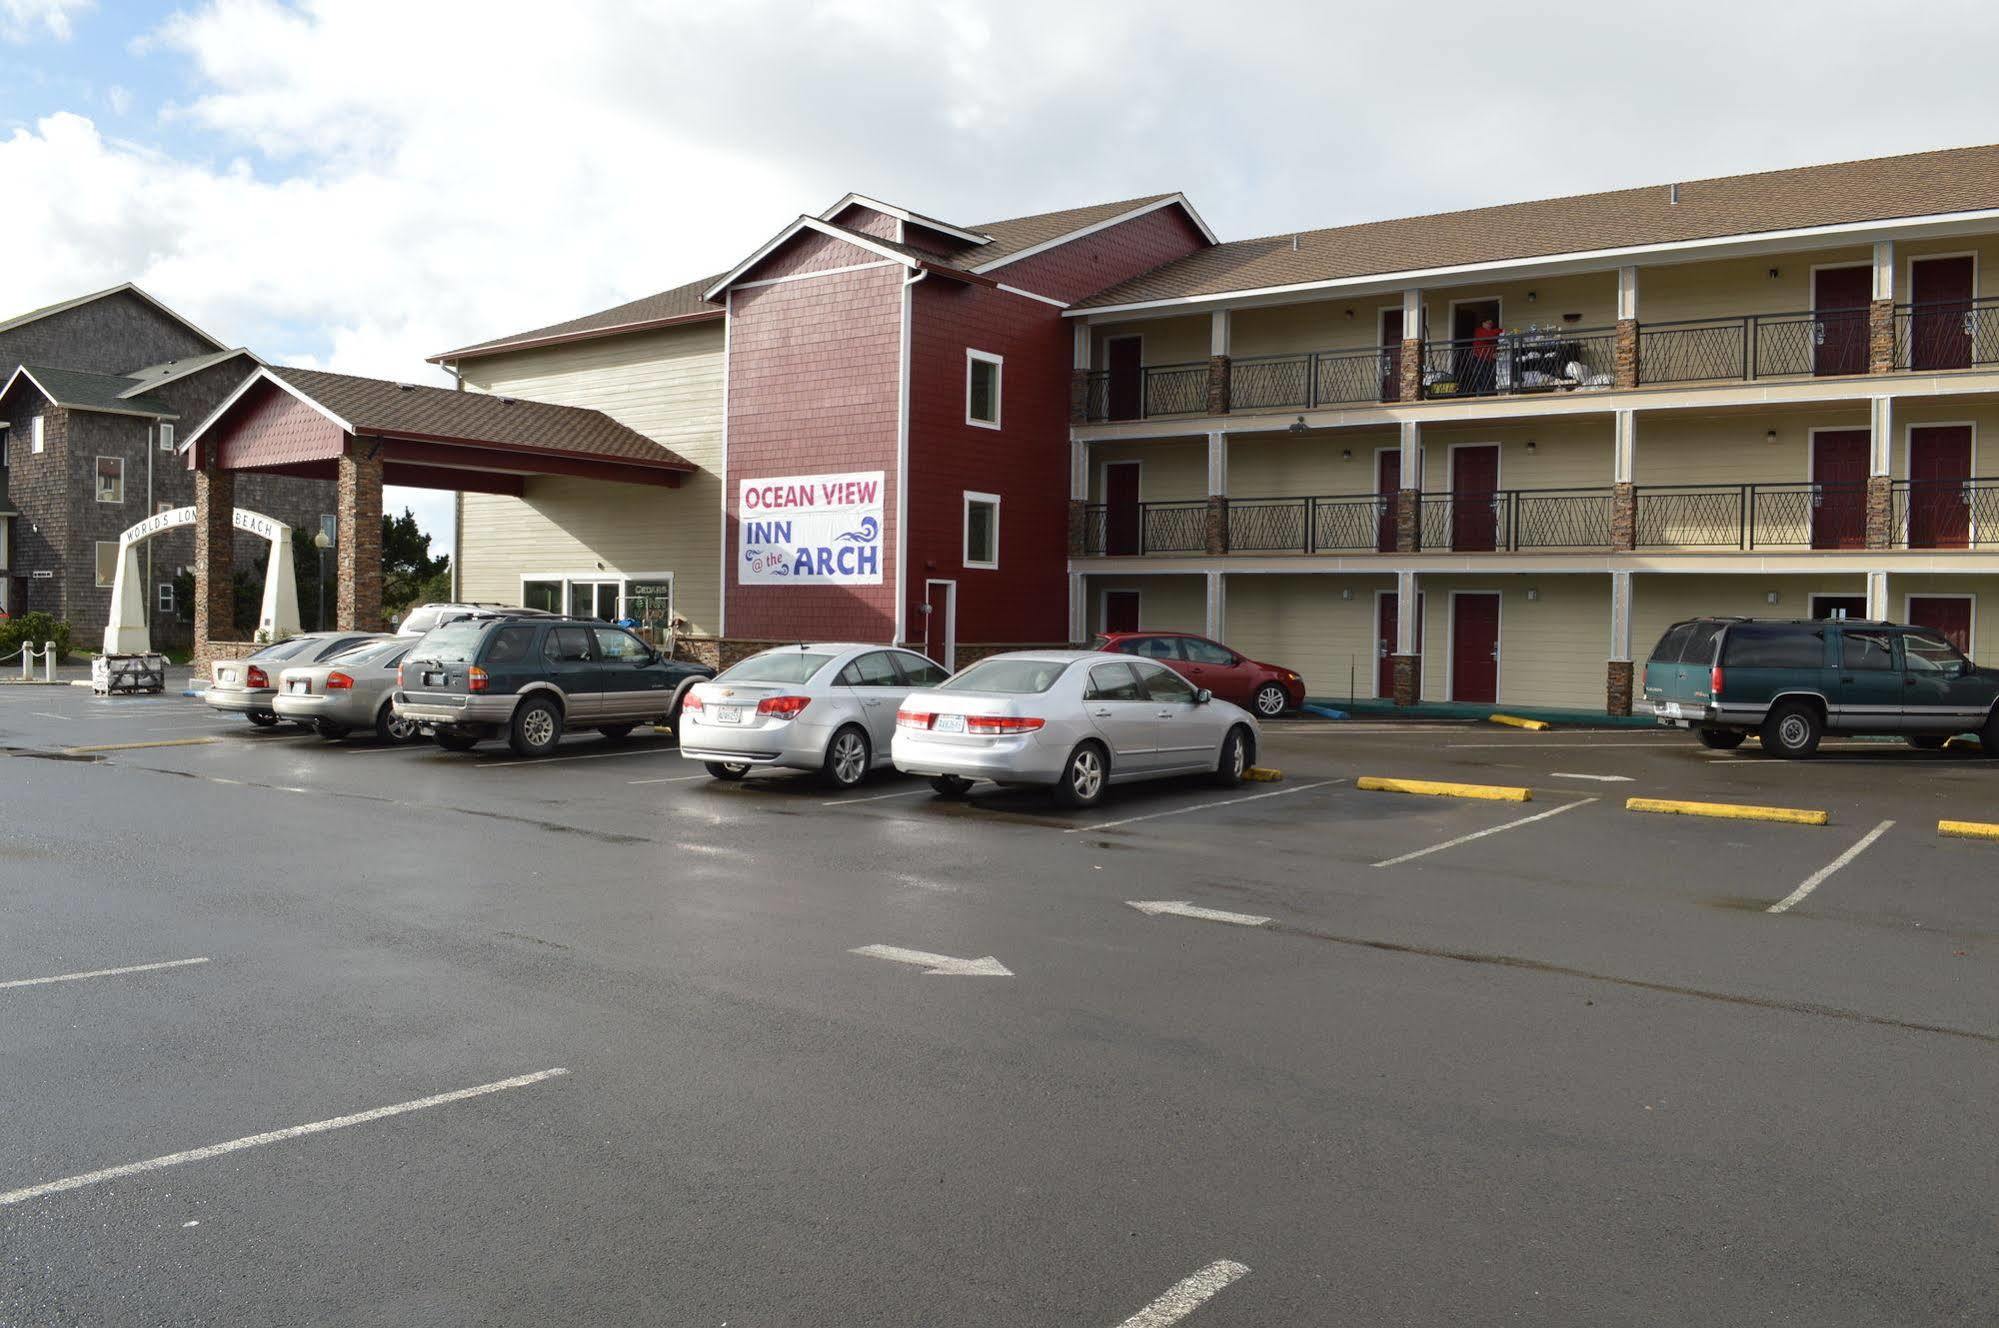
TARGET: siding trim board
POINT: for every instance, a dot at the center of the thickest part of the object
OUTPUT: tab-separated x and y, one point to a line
1172	200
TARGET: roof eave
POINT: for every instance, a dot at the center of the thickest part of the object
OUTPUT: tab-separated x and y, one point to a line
904	214
564	338
1070	237
803	223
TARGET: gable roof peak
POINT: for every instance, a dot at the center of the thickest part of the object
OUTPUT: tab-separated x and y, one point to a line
123	288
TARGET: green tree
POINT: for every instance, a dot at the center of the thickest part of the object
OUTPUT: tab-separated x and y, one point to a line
410	575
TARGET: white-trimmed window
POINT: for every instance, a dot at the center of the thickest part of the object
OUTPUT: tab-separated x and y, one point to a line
982	516
38	440
166	597
107	563
166	436
982	389
111	479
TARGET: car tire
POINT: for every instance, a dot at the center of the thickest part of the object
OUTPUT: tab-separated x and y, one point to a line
456	742
1270	701
1792	730
950	786
329	730
1988	737
392	728
1086	775
536	727
849	757
1927	742
617	732
1235	760
262	720
725	770
679	700
1720	740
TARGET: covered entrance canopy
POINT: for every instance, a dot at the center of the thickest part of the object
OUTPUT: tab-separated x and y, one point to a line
367	432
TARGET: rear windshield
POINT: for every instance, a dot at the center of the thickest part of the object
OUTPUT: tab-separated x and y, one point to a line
777	666
422	621
1672	644
286	649
1018	676
452	643
1688	643
373	652
1750	646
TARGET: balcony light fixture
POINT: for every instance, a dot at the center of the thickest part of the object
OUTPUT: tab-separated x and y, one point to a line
1532	594
1346	454
1530	447
1346	592
1532	296
1771	598
1349	313
1297	426
1776	272
1769	435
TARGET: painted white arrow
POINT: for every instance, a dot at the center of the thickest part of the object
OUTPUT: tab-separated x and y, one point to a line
1180	908
1601	779
937	965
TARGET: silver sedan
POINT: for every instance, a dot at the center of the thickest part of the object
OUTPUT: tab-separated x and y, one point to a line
829	708
348	692
246	686
1074	721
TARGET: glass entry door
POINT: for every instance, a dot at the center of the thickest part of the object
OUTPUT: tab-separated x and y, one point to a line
595	599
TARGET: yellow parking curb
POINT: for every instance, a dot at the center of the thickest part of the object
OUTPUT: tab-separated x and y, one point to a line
1514	721
1263	774
1968	829
134	746
1729	811
1440	789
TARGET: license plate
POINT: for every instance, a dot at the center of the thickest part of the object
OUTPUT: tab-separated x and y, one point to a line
1670	709
433	680
728	714
297	687
226	675
949	724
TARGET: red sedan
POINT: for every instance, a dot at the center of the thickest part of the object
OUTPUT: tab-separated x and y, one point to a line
1265	689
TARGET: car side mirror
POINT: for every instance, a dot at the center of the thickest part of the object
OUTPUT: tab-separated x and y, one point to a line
1203	696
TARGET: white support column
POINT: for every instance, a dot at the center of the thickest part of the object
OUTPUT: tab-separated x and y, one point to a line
1620	617
1079	471
1877	596
1412	314
1218	332
1627	293
1624	454
1881	436
1218	465
1217	619
1412	454
1082	350
1079	629
1884	269
1407	608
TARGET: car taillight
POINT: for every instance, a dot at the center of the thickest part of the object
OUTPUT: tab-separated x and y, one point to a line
692	702
256	677
784	707
337	681
399	675
913	719
1001	724
1714	683
475	679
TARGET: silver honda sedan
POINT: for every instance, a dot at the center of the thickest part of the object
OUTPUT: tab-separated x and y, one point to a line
829	708
1074	721
246	686
349	692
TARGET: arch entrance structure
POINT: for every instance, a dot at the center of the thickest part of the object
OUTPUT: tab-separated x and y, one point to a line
277	617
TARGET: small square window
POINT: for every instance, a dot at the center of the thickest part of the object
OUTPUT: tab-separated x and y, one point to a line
982	529
107	563
166	597
38	436
111	479
166	437
982	389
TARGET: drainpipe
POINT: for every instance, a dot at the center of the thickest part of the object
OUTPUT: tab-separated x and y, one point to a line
152	446
909	279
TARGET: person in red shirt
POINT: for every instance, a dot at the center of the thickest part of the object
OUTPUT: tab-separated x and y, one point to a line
1484	355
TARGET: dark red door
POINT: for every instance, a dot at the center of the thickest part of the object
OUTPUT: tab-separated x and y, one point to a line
1120	610
1123	355
1387	483
1388	613
1839	493
1947	614
1391	354
1939	486
1474	486
1475	647
1839	312
1121	514
1940	291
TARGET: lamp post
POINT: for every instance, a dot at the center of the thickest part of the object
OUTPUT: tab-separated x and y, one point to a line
322	544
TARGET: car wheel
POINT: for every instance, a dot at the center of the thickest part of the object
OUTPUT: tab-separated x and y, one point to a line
536	729
1085	776
328	729
1927	742
950	786
1793	730
617	732
1271	701
456	742
262	720
1721	740
393	728
847	758
1234	763
679	700
1988	737
728	770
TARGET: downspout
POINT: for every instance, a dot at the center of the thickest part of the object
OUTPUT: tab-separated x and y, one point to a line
457	506
152	594
909	279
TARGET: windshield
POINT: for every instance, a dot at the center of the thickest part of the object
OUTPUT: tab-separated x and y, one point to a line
452	643
777	666
1018	676
422	620
373	652
286	649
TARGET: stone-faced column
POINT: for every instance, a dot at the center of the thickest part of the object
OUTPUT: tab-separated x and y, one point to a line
1411	388
1218	385
214	559
1617	687
1406	672
1623	517
1880	512
1408	520
1079	517
1881	336
1217	524
1626	365
359	508
1079	396
1618	672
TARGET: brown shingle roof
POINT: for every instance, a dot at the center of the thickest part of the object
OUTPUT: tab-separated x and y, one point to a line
1018	233
1954	180
375	406
682	303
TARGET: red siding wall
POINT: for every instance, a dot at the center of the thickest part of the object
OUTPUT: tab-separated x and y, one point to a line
1095	262
271	427
814	370
809	251
1025	462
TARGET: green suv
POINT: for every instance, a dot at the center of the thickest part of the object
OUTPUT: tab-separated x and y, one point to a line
1791	683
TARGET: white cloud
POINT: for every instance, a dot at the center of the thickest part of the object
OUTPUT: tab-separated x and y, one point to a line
23	20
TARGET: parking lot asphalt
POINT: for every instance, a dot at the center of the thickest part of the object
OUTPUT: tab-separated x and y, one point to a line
1403	1059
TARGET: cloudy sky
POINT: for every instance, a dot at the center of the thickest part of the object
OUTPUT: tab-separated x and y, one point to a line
356	184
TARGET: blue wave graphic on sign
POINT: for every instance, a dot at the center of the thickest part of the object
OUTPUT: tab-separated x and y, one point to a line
870	530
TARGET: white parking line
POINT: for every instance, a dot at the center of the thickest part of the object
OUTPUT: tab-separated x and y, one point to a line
1187	1295
1537	741
1481	834
879	797
103	973
49	715
1818	878
1595	779
525	762
271	1137
1200	807
670	779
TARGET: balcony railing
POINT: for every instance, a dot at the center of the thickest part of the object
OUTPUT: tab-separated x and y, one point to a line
1340	523
1535	360
1156	389
1141	528
1829	341
1954	334
1314	378
1946	514
1751	516
1515	519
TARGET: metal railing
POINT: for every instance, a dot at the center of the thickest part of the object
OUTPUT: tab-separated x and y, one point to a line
1826	342
1951	334
1751	516
1141	528
1341	522
1313	378
1535	360
1513	519
1945	514
1157	389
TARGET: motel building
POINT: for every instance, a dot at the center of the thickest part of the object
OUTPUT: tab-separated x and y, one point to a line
1481	457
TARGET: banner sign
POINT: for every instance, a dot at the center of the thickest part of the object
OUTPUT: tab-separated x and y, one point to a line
811	530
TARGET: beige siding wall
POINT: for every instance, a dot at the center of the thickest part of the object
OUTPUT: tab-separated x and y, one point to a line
1177	340
1591	296
1552	650
668	386
1567	454
1165	603
1304	623
1984	591
1288	467
1168	472
1736	286
1657	601
1316	325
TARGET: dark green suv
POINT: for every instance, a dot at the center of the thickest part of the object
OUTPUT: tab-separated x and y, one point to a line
1791	683
530	678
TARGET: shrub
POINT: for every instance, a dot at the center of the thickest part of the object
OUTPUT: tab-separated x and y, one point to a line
36	627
